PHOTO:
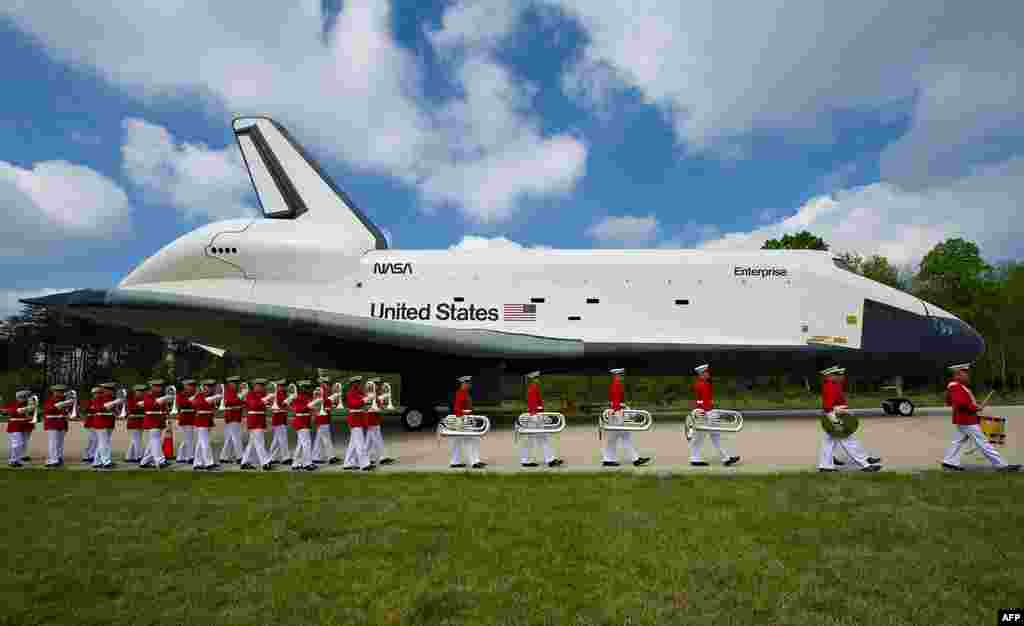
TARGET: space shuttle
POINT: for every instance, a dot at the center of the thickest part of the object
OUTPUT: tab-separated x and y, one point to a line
314	281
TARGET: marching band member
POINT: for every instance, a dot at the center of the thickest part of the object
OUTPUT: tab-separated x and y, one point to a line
103	424
55	423
535	405
301	407
136	414
156	405
374	438
88	408
231	452
279	422
324	445
27	428
204	404
616	394
833	399
355	402
256	422
186	422
17	417
966	421
704	402
465	448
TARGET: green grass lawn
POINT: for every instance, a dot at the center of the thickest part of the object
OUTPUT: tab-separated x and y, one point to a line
147	548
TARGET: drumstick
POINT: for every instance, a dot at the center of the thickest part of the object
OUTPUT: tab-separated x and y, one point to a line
983	404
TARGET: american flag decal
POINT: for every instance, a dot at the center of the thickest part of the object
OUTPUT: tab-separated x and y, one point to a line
520	313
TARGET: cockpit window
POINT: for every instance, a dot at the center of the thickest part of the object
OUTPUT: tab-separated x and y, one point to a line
842	265
946	327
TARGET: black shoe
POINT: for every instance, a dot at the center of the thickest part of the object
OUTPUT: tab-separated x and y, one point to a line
311	468
733	460
319	462
246	466
827	469
1010	468
87	460
333	460
286	462
181	461
15	464
529	465
296	468
555	463
479	465
275	462
267	468
874	460
955	468
147	465
699	463
211	468
165	464
644	460
836	461
350	467
198	468
610	463
457	465
110	466
26	458
387	461
52	465
871	468
368	468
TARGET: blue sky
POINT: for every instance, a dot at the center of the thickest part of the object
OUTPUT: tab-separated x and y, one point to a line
555	123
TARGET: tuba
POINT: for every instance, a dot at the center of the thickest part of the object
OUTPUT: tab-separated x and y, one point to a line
715	420
631	420
544	423
463	426
122	397
840	423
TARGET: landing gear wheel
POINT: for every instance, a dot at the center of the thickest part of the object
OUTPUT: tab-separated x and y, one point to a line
905	407
414	419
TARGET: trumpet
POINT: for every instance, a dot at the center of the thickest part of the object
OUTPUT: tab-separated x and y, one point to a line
271	397
122	397
385	396
32	406
73	396
222	389
293	392
373	398
544	423
171	391
319	395
629	420
715	420
463	426
243	390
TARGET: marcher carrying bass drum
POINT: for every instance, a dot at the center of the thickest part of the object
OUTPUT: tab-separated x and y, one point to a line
840	423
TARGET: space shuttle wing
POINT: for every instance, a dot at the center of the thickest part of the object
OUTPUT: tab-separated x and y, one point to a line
198	318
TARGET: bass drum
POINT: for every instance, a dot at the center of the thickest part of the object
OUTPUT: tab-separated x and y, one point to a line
848	424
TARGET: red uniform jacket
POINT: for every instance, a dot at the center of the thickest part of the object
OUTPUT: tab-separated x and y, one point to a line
154	412
85	408
965	407
703	395
234	404
463	403
55	418
135	411
616	394
280	417
328	405
102	417
300	406
186	412
534	403
255	411
12	412
204	412
354	402
832	395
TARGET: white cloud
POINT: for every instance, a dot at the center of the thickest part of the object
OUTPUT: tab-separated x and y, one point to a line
58	202
903	224
201	183
358	97
719	69
9	304
473	242
625	230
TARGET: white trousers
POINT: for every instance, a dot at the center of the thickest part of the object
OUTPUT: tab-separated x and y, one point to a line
187	447
203	452
154	449
698	443
850	445
375	444
279	445
90	445
529	442
256	450
465	448
134	452
323	447
55	446
303	453
103	452
15	447
356	452
611	444
232	449
964	435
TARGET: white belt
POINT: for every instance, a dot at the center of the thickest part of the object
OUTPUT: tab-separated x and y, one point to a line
302	415
154	412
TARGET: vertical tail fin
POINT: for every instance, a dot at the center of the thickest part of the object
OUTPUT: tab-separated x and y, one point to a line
291	185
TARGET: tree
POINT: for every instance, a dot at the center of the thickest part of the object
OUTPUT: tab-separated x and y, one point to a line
803	240
878	268
851	261
952	274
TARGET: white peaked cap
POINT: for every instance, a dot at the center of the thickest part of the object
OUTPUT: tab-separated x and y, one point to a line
533	374
354	379
961	366
835	369
465	379
701	368
21	395
618	370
